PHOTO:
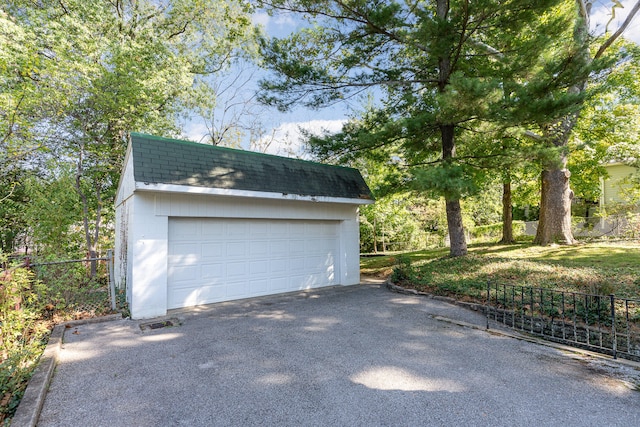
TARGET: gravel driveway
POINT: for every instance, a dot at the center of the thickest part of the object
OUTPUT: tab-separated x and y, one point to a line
352	356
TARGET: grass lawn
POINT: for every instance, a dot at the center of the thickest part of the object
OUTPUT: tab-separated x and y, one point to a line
599	268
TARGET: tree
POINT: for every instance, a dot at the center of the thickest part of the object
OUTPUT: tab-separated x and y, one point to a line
435	77
556	194
106	68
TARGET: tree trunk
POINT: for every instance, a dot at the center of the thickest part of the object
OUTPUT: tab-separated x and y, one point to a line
555	201
458	243
554	225
456	230
91	245
507	214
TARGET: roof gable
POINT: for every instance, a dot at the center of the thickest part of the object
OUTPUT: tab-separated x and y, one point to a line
168	161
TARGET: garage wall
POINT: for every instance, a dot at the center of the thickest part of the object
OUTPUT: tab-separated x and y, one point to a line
148	237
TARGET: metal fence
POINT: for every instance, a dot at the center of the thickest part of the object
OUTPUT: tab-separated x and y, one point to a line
98	297
602	323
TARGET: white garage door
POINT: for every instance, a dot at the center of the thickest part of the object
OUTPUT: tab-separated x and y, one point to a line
212	260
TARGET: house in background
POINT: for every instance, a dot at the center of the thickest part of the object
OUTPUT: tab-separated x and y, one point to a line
614	187
198	224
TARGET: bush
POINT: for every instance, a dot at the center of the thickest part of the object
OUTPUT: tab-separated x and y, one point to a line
402	270
494	231
22	335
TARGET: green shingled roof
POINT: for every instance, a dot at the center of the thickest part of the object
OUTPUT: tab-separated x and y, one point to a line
168	161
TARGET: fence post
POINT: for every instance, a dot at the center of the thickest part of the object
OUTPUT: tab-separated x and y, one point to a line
612	297
112	282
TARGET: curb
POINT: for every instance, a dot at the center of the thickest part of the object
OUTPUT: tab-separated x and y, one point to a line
31	403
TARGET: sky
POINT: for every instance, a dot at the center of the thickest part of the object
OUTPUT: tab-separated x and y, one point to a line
282	130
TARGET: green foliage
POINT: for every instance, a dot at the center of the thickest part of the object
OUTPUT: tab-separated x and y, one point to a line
393	223
588	268
493	232
453	82
51	214
80	75
402	270
71	291
22	334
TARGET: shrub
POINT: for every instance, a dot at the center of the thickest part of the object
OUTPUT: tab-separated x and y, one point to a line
402	270
22	335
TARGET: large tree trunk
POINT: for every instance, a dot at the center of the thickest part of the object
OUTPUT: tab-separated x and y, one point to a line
507	214
554	225
555	201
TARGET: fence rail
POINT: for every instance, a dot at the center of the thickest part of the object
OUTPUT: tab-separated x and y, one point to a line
602	323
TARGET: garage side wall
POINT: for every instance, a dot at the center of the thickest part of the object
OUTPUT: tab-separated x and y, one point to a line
148	236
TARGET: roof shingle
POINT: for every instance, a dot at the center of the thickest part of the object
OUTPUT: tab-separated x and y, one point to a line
159	160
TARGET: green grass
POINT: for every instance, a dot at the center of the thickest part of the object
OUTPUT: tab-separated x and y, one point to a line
601	268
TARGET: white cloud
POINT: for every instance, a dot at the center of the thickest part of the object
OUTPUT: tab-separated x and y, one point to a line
287	140
603	13
195	131
261	18
279	24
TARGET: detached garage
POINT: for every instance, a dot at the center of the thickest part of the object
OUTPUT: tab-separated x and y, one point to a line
198	224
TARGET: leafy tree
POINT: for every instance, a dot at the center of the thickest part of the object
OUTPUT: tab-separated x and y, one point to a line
440	68
591	60
103	69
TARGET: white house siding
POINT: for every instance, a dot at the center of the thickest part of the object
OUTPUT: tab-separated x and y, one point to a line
613	187
123	217
147	250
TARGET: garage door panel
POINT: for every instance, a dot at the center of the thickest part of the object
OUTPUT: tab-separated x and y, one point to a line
216	270
237	249
259	287
279	248
259	229
237	229
279	266
236	270
259	267
212	260
185	273
185	231
214	230
212	250
183	249
296	247
259	248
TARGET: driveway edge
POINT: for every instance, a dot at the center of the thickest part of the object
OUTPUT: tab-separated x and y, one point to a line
31	403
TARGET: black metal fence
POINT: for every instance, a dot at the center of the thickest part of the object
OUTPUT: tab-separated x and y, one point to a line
602	323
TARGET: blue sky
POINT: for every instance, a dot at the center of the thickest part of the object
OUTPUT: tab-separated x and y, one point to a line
282	135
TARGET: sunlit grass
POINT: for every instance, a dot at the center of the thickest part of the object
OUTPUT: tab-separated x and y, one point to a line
602	268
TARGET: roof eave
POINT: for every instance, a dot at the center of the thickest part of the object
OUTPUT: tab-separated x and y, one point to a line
185	189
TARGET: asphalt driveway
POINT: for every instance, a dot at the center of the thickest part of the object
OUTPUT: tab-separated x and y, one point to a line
354	356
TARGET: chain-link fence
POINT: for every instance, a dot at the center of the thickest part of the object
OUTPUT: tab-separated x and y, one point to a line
69	289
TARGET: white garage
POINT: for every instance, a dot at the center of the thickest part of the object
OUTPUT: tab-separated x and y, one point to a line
197	224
